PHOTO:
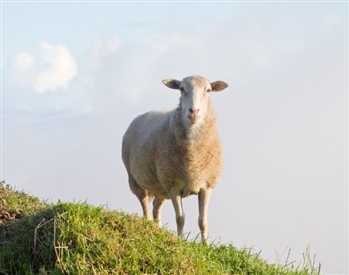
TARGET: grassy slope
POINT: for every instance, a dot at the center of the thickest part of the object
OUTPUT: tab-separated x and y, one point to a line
69	238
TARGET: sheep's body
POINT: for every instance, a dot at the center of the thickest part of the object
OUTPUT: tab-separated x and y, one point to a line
159	153
170	158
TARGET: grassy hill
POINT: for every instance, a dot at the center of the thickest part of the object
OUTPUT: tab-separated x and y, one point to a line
77	238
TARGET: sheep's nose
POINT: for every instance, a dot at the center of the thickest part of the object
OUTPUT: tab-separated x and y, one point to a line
194	111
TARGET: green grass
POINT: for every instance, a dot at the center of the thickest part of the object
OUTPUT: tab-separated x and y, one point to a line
77	238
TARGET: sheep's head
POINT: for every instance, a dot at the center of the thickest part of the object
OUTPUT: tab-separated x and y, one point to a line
195	93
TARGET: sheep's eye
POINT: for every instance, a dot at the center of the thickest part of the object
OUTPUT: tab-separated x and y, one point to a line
209	90
183	91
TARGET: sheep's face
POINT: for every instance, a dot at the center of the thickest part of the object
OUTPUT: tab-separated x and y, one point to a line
195	93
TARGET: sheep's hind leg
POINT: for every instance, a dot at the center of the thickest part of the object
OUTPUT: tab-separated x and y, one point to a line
143	196
157	206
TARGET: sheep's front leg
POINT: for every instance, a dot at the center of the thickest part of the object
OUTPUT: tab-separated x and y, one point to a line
157	206
145	207
178	207
204	198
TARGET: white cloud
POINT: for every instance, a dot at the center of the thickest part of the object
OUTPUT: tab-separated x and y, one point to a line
104	47
53	70
21	72
101	50
23	61
61	71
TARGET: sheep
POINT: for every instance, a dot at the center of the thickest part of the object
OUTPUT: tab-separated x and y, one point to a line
175	154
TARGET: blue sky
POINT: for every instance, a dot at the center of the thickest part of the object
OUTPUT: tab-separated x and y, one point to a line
75	75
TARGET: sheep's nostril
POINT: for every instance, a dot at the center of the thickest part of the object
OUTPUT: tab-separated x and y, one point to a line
194	111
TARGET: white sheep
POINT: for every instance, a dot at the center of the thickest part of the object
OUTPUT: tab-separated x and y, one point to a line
175	154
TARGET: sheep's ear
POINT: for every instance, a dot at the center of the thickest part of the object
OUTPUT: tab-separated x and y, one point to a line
218	86
172	83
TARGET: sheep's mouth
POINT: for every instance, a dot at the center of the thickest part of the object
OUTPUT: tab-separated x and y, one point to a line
193	119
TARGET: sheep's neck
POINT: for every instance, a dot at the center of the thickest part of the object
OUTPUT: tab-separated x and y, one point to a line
194	136
196	144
